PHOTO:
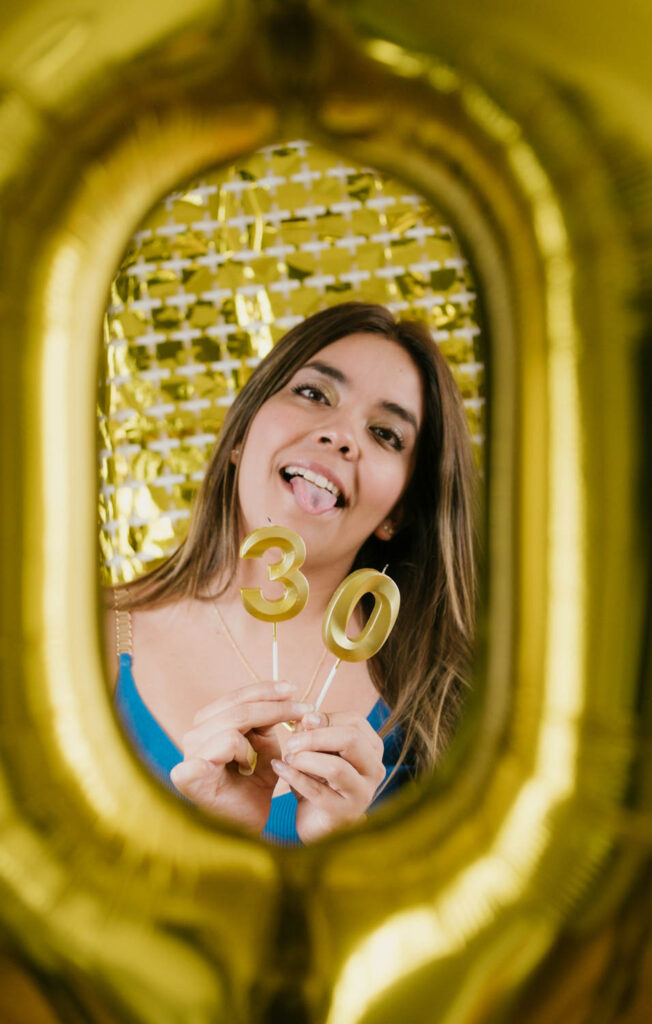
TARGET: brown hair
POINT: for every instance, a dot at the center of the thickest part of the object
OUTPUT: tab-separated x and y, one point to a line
421	670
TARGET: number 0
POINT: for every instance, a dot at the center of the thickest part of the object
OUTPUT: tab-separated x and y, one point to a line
342	605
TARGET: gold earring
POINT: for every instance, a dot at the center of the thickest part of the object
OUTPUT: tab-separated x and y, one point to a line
235	452
389	528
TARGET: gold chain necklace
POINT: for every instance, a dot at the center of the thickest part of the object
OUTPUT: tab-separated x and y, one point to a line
254	675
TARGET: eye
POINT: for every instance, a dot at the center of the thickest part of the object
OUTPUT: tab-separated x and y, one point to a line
311	392
389	436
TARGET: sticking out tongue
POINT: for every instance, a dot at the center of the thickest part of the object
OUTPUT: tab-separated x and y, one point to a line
311	498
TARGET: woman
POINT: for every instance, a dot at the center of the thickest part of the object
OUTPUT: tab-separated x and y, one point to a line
352	433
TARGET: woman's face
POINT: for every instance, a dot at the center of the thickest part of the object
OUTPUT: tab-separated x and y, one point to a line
331	454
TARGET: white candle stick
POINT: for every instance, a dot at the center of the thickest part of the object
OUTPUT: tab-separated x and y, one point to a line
326	686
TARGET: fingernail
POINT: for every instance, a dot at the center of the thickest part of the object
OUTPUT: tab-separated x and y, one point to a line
278	766
284	689
314	718
300	709
252	758
289	757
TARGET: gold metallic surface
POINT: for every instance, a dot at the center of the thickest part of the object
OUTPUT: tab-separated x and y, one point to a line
378	626
515	884
285	571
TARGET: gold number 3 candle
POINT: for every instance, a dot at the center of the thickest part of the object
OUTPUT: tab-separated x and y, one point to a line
285	571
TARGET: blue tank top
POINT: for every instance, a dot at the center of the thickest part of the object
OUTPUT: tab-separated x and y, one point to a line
160	754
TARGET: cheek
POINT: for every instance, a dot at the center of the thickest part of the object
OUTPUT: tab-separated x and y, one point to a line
261	437
268	434
389	484
272	425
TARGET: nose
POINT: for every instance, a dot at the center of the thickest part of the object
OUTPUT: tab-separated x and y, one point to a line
340	437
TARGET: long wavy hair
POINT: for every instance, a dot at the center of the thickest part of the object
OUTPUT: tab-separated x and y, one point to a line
422	669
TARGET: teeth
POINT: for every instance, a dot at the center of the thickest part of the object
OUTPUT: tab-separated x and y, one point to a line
314	478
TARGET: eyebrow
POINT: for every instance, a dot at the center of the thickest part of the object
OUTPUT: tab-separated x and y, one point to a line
341	378
328	371
404	414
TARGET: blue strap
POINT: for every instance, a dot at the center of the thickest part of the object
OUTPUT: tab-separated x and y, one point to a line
150	741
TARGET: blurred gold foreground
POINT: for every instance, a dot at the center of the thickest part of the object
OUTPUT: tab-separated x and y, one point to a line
516	885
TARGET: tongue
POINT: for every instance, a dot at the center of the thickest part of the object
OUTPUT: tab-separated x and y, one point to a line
311	498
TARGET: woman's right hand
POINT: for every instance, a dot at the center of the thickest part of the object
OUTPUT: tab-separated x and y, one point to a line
225	736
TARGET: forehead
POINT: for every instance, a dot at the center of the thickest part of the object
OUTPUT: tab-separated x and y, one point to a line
376	367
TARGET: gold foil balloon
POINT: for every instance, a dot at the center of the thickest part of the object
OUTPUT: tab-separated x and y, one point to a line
378	626
498	889
285	571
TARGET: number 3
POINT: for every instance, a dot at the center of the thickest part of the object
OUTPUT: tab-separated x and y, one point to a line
285	571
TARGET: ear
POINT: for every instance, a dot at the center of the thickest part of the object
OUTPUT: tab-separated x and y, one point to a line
235	454
390	524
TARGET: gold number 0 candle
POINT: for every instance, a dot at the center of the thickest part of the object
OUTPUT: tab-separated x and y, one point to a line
374	633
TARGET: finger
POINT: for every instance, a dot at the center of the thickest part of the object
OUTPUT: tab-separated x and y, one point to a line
325	719
357	743
306	786
314	720
265	743
223	748
263	690
244	717
196	778
332	770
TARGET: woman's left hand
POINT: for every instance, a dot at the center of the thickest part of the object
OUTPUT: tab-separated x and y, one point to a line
334	765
